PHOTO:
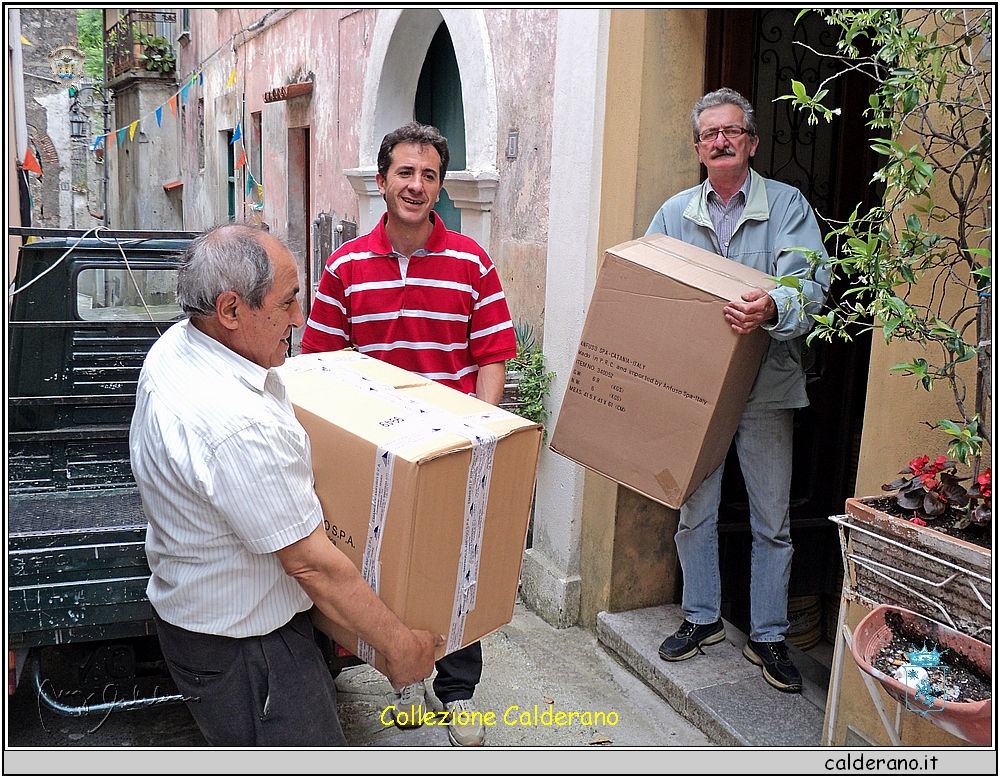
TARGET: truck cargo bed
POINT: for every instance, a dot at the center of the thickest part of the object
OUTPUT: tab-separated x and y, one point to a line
77	568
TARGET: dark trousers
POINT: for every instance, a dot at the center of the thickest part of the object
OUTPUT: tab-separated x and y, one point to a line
267	690
458	673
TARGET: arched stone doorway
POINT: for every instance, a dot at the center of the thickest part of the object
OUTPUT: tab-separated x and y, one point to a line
398	50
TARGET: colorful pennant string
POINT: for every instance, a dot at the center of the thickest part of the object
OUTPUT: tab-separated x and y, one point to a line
31	163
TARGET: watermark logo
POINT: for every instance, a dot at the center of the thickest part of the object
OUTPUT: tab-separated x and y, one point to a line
923	677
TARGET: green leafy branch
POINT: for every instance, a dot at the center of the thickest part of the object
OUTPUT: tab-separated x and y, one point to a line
926	86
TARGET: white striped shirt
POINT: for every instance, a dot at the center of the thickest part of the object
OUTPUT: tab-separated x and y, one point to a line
224	470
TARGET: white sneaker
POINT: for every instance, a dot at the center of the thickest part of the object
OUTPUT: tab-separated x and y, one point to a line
465	724
409	710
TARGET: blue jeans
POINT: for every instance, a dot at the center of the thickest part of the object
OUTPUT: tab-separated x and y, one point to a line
764	446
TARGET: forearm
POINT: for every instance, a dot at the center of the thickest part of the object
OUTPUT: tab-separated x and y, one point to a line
490	381
334	584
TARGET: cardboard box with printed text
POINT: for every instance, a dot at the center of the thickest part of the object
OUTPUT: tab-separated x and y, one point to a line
660	379
411	495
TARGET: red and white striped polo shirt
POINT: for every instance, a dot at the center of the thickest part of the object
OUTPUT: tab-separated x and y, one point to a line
442	318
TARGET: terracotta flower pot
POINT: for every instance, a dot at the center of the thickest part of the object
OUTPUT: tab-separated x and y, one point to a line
931	573
970	721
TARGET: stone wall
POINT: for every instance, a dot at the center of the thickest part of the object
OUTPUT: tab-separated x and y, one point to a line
68	194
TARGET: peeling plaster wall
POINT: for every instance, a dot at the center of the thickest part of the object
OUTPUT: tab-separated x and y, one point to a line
325	46
47	114
524	45
56	108
147	160
304	44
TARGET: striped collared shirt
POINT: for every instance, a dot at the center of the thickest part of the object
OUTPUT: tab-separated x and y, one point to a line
442	316
225	474
725	216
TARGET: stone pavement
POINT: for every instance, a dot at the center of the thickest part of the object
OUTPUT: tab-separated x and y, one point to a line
529	663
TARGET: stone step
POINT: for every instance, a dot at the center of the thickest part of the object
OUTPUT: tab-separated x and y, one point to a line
719	691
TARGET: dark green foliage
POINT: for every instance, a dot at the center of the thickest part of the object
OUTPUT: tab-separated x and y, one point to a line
91	41
157	53
534	383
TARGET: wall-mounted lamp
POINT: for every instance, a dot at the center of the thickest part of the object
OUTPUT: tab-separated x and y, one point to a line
79	125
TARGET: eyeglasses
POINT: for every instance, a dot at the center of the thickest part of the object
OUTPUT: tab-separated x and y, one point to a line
730	132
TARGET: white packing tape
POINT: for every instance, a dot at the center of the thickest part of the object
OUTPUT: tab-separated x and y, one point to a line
477	493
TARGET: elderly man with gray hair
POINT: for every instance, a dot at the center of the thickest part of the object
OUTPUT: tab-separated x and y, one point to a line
763	224
235	541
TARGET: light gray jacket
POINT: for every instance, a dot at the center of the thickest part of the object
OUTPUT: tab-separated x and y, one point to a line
777	218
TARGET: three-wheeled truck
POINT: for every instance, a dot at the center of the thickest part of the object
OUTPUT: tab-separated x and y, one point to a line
83	311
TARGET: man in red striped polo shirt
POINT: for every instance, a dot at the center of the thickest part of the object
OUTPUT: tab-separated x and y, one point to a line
429	300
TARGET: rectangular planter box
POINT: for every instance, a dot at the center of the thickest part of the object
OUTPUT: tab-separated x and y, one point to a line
896	562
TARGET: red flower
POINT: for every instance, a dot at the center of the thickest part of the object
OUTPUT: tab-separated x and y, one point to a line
985	481
917	465
918	521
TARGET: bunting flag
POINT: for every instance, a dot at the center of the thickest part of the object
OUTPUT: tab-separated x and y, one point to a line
201	78
184	92
232	79
121	136
193	77
172	102
260	192
237	134
30	163
26	42
242	161
159	116
249	184
97	142
131	129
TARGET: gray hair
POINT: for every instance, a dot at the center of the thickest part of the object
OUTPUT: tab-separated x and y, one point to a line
414	132
724	96
228	258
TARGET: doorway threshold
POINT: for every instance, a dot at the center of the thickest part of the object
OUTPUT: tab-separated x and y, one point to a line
718	690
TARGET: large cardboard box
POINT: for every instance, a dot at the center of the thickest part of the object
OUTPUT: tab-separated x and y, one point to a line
660	379
426	489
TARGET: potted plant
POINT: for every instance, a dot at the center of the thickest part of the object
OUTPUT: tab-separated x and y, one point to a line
931	669
155	53
926	546
527	382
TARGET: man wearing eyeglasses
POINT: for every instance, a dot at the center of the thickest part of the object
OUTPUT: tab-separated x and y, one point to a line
763	224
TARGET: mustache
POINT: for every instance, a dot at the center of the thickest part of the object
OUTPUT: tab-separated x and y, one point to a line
725	151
